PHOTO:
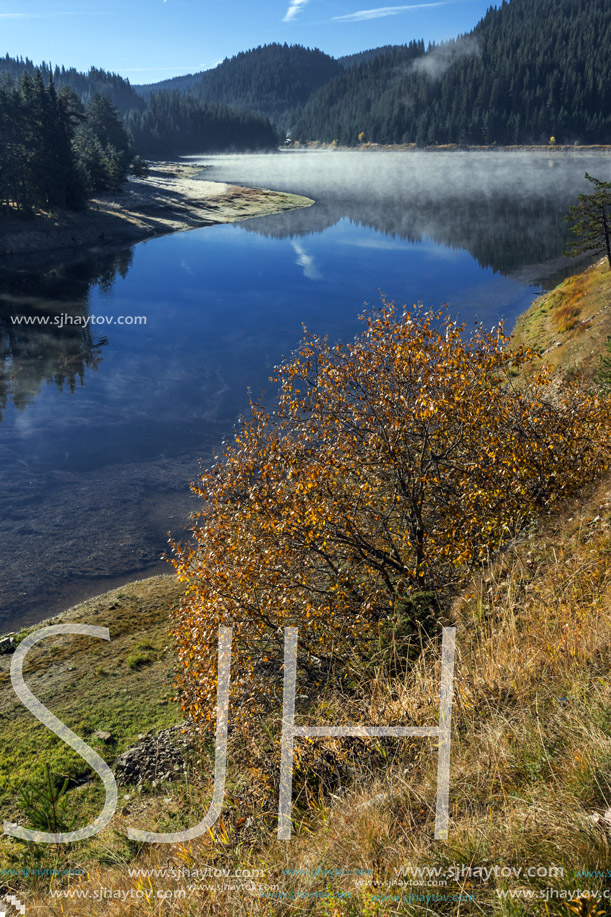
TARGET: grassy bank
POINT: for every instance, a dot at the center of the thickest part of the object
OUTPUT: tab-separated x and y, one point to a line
122	688
531	741
570	325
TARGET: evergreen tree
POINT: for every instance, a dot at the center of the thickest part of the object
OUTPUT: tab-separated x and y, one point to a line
86	85
591	219
92	160
105	123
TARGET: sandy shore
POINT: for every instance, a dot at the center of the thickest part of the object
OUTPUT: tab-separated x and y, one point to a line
170	199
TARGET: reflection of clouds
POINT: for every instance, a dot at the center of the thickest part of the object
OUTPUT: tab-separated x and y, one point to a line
386	244
440	250
186	267
306	262
412	248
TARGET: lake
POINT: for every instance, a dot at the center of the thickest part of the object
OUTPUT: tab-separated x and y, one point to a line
102	427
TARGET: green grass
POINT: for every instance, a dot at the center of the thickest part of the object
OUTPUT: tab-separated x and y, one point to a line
124	687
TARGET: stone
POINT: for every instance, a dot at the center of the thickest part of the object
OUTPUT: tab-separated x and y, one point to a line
8	644
154	758
103	736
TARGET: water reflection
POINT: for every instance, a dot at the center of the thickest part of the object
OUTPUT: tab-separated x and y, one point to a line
501	233
505	208
44	337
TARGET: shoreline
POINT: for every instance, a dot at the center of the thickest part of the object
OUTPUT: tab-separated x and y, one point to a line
170	199
367	146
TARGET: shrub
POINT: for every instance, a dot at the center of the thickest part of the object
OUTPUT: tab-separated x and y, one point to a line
139	660
139	167
391	467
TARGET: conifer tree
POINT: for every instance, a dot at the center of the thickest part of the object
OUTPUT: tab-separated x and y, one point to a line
591	219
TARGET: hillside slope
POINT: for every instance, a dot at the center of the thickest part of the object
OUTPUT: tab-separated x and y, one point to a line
271	80
570	325
531	69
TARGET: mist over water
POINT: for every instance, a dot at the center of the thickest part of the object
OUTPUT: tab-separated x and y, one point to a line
384	176
505	208
102	428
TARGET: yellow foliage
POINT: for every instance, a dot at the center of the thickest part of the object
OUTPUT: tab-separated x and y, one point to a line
394	464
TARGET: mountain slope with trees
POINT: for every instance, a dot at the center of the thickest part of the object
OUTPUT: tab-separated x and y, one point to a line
361	57
177	125
271	80
530	70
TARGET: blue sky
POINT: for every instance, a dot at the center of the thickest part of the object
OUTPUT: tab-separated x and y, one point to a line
148	40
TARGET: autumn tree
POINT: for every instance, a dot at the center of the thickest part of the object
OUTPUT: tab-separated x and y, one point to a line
591	219
391	465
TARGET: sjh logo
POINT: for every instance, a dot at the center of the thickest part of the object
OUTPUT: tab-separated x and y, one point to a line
10	905
290	732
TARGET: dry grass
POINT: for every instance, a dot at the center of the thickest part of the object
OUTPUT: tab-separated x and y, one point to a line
570	324
531	766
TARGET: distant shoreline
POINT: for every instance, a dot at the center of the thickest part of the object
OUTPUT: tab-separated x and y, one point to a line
445	148
169	200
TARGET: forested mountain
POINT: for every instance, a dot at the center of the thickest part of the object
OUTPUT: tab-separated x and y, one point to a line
86	85
531	69
174	84
361	57
351	103
272	80
173	124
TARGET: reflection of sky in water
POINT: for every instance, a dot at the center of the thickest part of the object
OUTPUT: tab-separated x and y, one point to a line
223	306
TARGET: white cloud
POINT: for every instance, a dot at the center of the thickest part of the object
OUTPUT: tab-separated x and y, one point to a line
381	11
295	7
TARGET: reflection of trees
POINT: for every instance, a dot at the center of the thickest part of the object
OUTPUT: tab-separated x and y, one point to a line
53	351
501	232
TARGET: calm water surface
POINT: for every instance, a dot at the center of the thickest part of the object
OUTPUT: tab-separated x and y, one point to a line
103	427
